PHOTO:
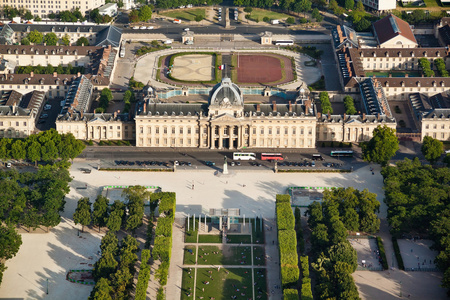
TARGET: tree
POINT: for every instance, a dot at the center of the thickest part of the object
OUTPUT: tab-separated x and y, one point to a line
82	213
290	20
82	41
121	282
34	151
28	15
105	266
325	103
100	212
18	150
35	37
10	242
382	146
116	216
102	290
133	16
145	13
432	149
31	219
302	6
25	41
198	18
349	4
135	196
248	9
333	5
316	15
65	40
343	252
349	105
360	6
110	243
363	25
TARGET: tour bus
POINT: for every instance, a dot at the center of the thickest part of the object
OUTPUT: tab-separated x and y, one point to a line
271	156
344	153
284	43
244	156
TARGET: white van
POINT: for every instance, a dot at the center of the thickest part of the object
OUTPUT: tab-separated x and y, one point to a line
177	21
168	42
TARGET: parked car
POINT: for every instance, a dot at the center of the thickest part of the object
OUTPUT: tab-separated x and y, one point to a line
143	27
8	165
210	163
43	116
47	107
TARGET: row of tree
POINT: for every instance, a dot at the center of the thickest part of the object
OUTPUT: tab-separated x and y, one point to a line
10	242
143	14
349	104
177	3
441	68
418	203
114	271
49	69
425	65
325	103
120	215
46	146
105	97
50	39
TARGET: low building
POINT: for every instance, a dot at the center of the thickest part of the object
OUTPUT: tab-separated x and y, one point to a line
16	122
187	37
266	38
33	101
380	5
393	32
92	126
128	4
109	9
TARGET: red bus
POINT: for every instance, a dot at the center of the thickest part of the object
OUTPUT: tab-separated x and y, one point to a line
271	156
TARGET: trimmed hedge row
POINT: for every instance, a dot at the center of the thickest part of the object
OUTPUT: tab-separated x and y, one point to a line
306	280
290	272
285	217
398	255
143	277
162	249
290	294
382	253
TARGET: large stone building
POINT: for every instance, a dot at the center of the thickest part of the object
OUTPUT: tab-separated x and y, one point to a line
393	32
381	5
42	8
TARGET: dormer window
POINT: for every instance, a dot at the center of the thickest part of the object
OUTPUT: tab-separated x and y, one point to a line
413	54
438	54
41	81
45	51
374	54
442	83
434	83
418	83
403	84
9	51
23	51
399	54
386	54
425	54
16	51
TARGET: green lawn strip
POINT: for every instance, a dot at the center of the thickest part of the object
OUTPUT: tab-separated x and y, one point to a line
191	235
223	284
209	238
258	235
261	284
187	14
237	255
234	255
261	13
189	257
237	239
187	282
259	256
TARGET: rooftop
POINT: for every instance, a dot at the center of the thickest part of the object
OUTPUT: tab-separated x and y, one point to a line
390	27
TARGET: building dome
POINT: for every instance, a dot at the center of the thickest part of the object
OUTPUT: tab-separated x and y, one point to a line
226	93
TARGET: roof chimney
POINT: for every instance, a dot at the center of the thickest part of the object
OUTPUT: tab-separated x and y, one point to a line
290	106
258	108
329	115
378	116
319	115
115	115
274	106
55	74
81	114
364	116
14	108
78	74
31	74
345	116
145	107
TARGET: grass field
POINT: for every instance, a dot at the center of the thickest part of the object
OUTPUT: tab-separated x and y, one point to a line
188	284
261	13
191	235
237	239
258	256
224	284
185	14
209	238
189	255
212	255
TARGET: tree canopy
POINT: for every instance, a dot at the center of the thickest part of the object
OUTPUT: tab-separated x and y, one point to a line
35	37
432	149
82	213
382	146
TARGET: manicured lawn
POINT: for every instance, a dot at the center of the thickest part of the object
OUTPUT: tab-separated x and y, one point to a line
224	284
259	256
209	238
432	3
191	235
212	255
237	239
261	284
187	284
258	235
185	14
189	257
261	13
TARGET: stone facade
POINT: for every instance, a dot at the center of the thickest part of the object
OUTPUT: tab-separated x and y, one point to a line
16	122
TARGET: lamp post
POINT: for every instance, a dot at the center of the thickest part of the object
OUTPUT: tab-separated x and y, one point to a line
47	287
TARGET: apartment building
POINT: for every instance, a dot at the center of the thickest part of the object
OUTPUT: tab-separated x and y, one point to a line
42	8
381	5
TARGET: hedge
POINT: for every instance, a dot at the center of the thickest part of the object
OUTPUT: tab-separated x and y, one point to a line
164	227
382	253
167	203
290	294
398	255
307	291
162	248
162	273
289	276
285	217
143	277
306	280
282	198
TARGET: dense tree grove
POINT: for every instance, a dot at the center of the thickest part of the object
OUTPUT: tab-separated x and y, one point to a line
342	210
49	69
418	201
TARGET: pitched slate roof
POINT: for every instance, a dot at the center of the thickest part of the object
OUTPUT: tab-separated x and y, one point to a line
390	27
111	35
